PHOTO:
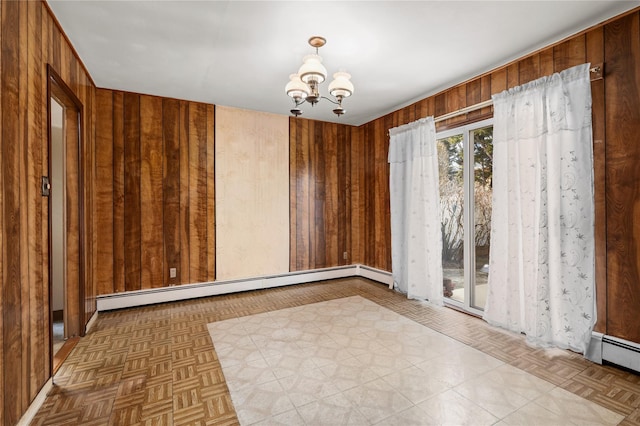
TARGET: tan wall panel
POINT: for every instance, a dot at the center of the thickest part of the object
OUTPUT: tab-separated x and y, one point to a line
252	193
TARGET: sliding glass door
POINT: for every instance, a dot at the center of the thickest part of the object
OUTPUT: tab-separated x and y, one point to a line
465	166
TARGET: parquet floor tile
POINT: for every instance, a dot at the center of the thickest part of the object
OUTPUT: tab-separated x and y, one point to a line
156	365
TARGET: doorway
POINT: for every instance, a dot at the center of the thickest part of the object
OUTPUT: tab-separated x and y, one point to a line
465	163
63	186
57	212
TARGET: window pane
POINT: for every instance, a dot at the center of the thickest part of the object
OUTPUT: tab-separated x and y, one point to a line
483	173
450	165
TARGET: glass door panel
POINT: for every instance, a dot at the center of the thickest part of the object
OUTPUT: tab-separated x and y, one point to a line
450	168
482	190
465	166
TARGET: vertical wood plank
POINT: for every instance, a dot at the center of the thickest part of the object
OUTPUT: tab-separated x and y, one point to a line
12	354
304	200
440	104
498	81
343	199
456	99
55	54
316	176
11	259
357	198
318	235
369	180
45	23
185	251
132	217
197	192
25	284
622	87
105	193
382	227
35	117
569	54
293	195
595	54
529	69
332	206
151	192
474	95
118	193
171	190
485	93
513	75
3	254
546	62
211	196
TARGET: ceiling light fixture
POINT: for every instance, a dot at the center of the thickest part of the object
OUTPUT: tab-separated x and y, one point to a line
303	86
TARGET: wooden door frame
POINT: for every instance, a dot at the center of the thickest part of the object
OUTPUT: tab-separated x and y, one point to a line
58	89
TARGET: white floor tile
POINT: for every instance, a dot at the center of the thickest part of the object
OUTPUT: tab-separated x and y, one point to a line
578	410
349	361
377	400
451	408
334	410
415	384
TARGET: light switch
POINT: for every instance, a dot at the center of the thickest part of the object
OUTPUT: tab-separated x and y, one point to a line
172	272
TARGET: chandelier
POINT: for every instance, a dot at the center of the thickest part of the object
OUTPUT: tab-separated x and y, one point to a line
304	85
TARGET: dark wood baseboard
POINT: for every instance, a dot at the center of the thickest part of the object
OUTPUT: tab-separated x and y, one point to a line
64	352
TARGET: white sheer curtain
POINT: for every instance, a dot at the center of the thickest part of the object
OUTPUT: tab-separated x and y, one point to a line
416	239
541	274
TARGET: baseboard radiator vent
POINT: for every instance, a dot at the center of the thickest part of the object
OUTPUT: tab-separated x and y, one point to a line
621	352
131	299
605	348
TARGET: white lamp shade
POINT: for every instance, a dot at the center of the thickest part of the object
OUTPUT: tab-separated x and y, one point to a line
296	88
312	69
341	85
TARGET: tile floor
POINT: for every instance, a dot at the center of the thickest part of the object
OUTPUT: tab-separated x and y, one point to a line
156	365
351	361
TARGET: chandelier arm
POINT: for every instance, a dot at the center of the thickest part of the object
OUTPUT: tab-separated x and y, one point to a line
330	100
300	102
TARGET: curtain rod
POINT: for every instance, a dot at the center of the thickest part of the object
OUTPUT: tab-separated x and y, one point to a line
463	110
595	72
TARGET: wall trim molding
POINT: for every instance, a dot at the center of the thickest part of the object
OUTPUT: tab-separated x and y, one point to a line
35	405
91	322
601	347
132	299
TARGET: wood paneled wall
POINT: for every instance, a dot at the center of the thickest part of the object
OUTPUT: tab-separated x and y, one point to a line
616	126
320	194
622	134
29	40
155	193
149	189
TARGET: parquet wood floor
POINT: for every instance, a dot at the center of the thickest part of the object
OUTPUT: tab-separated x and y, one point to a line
156	365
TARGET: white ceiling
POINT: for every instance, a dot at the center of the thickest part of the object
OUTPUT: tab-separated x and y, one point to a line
240	53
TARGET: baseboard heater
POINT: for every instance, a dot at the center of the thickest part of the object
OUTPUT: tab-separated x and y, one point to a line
131	299
605	348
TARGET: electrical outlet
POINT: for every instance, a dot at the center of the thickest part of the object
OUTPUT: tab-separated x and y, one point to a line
345	255
173	272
